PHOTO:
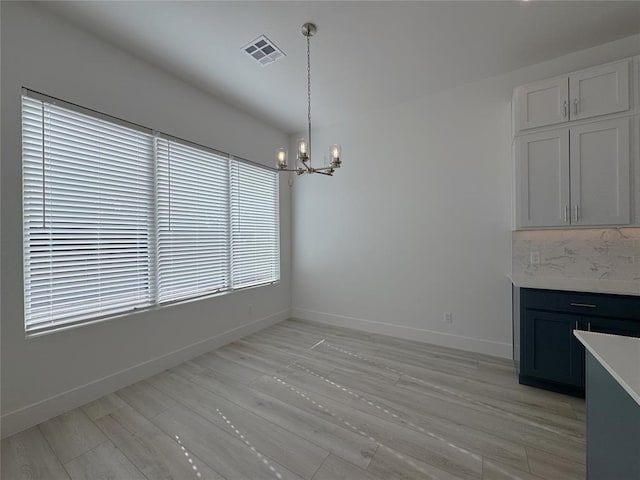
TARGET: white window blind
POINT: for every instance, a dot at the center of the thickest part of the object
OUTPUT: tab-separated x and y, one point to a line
193	221
87	206
118	218
255	239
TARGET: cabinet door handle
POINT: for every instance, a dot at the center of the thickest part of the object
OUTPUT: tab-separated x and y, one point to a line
589	326
566	214
586	305
565	107
576	325
577	212
575	106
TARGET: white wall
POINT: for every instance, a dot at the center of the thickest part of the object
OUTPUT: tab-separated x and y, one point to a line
45	376
418	220
415	224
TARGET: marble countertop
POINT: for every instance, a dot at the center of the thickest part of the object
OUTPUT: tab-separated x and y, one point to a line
619	355
619	287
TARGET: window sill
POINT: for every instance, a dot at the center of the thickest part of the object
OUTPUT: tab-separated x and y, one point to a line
44	331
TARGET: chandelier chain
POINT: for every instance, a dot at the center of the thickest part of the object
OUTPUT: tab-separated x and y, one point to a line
309	90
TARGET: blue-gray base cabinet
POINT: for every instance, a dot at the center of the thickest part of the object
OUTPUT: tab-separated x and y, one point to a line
613	427
551	357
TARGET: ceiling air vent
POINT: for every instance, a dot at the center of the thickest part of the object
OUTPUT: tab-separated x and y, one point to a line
263	51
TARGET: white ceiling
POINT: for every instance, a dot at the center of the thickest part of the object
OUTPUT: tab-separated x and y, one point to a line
365	55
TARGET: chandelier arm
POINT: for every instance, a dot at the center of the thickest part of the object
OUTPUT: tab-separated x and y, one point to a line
322	171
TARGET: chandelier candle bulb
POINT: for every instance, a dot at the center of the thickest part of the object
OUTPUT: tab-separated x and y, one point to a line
282	158
302	148
334	155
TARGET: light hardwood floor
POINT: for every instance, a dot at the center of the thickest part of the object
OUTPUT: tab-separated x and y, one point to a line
301	400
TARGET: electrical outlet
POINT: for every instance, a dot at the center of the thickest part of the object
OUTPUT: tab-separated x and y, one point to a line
534	258
636	259
448	317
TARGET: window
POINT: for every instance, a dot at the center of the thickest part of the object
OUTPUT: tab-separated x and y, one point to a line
255	238
193	221
87	188
118	218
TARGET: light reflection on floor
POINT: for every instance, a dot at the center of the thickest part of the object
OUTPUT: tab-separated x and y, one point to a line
189	459
467	398
389	412
404	458
251	447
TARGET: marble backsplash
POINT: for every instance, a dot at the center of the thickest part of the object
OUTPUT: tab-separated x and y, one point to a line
586	254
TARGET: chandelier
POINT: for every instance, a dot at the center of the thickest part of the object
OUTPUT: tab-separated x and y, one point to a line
303	158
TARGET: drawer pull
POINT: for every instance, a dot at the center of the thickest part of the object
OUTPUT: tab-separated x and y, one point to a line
587	305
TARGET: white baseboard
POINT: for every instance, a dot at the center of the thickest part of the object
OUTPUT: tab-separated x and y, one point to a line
478	345
26	417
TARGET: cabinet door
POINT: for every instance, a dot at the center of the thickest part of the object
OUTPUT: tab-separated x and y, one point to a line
613	326
542	103
599	90
542	172
550	350
600	173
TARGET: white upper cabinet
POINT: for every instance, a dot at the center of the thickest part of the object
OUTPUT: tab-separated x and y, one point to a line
542	170
592	92
599	90
600	173
577	148
542	103
574	176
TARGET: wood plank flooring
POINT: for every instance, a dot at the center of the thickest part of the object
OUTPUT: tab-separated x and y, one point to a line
305	401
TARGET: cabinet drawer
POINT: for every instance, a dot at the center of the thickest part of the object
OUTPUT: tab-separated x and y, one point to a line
588	304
